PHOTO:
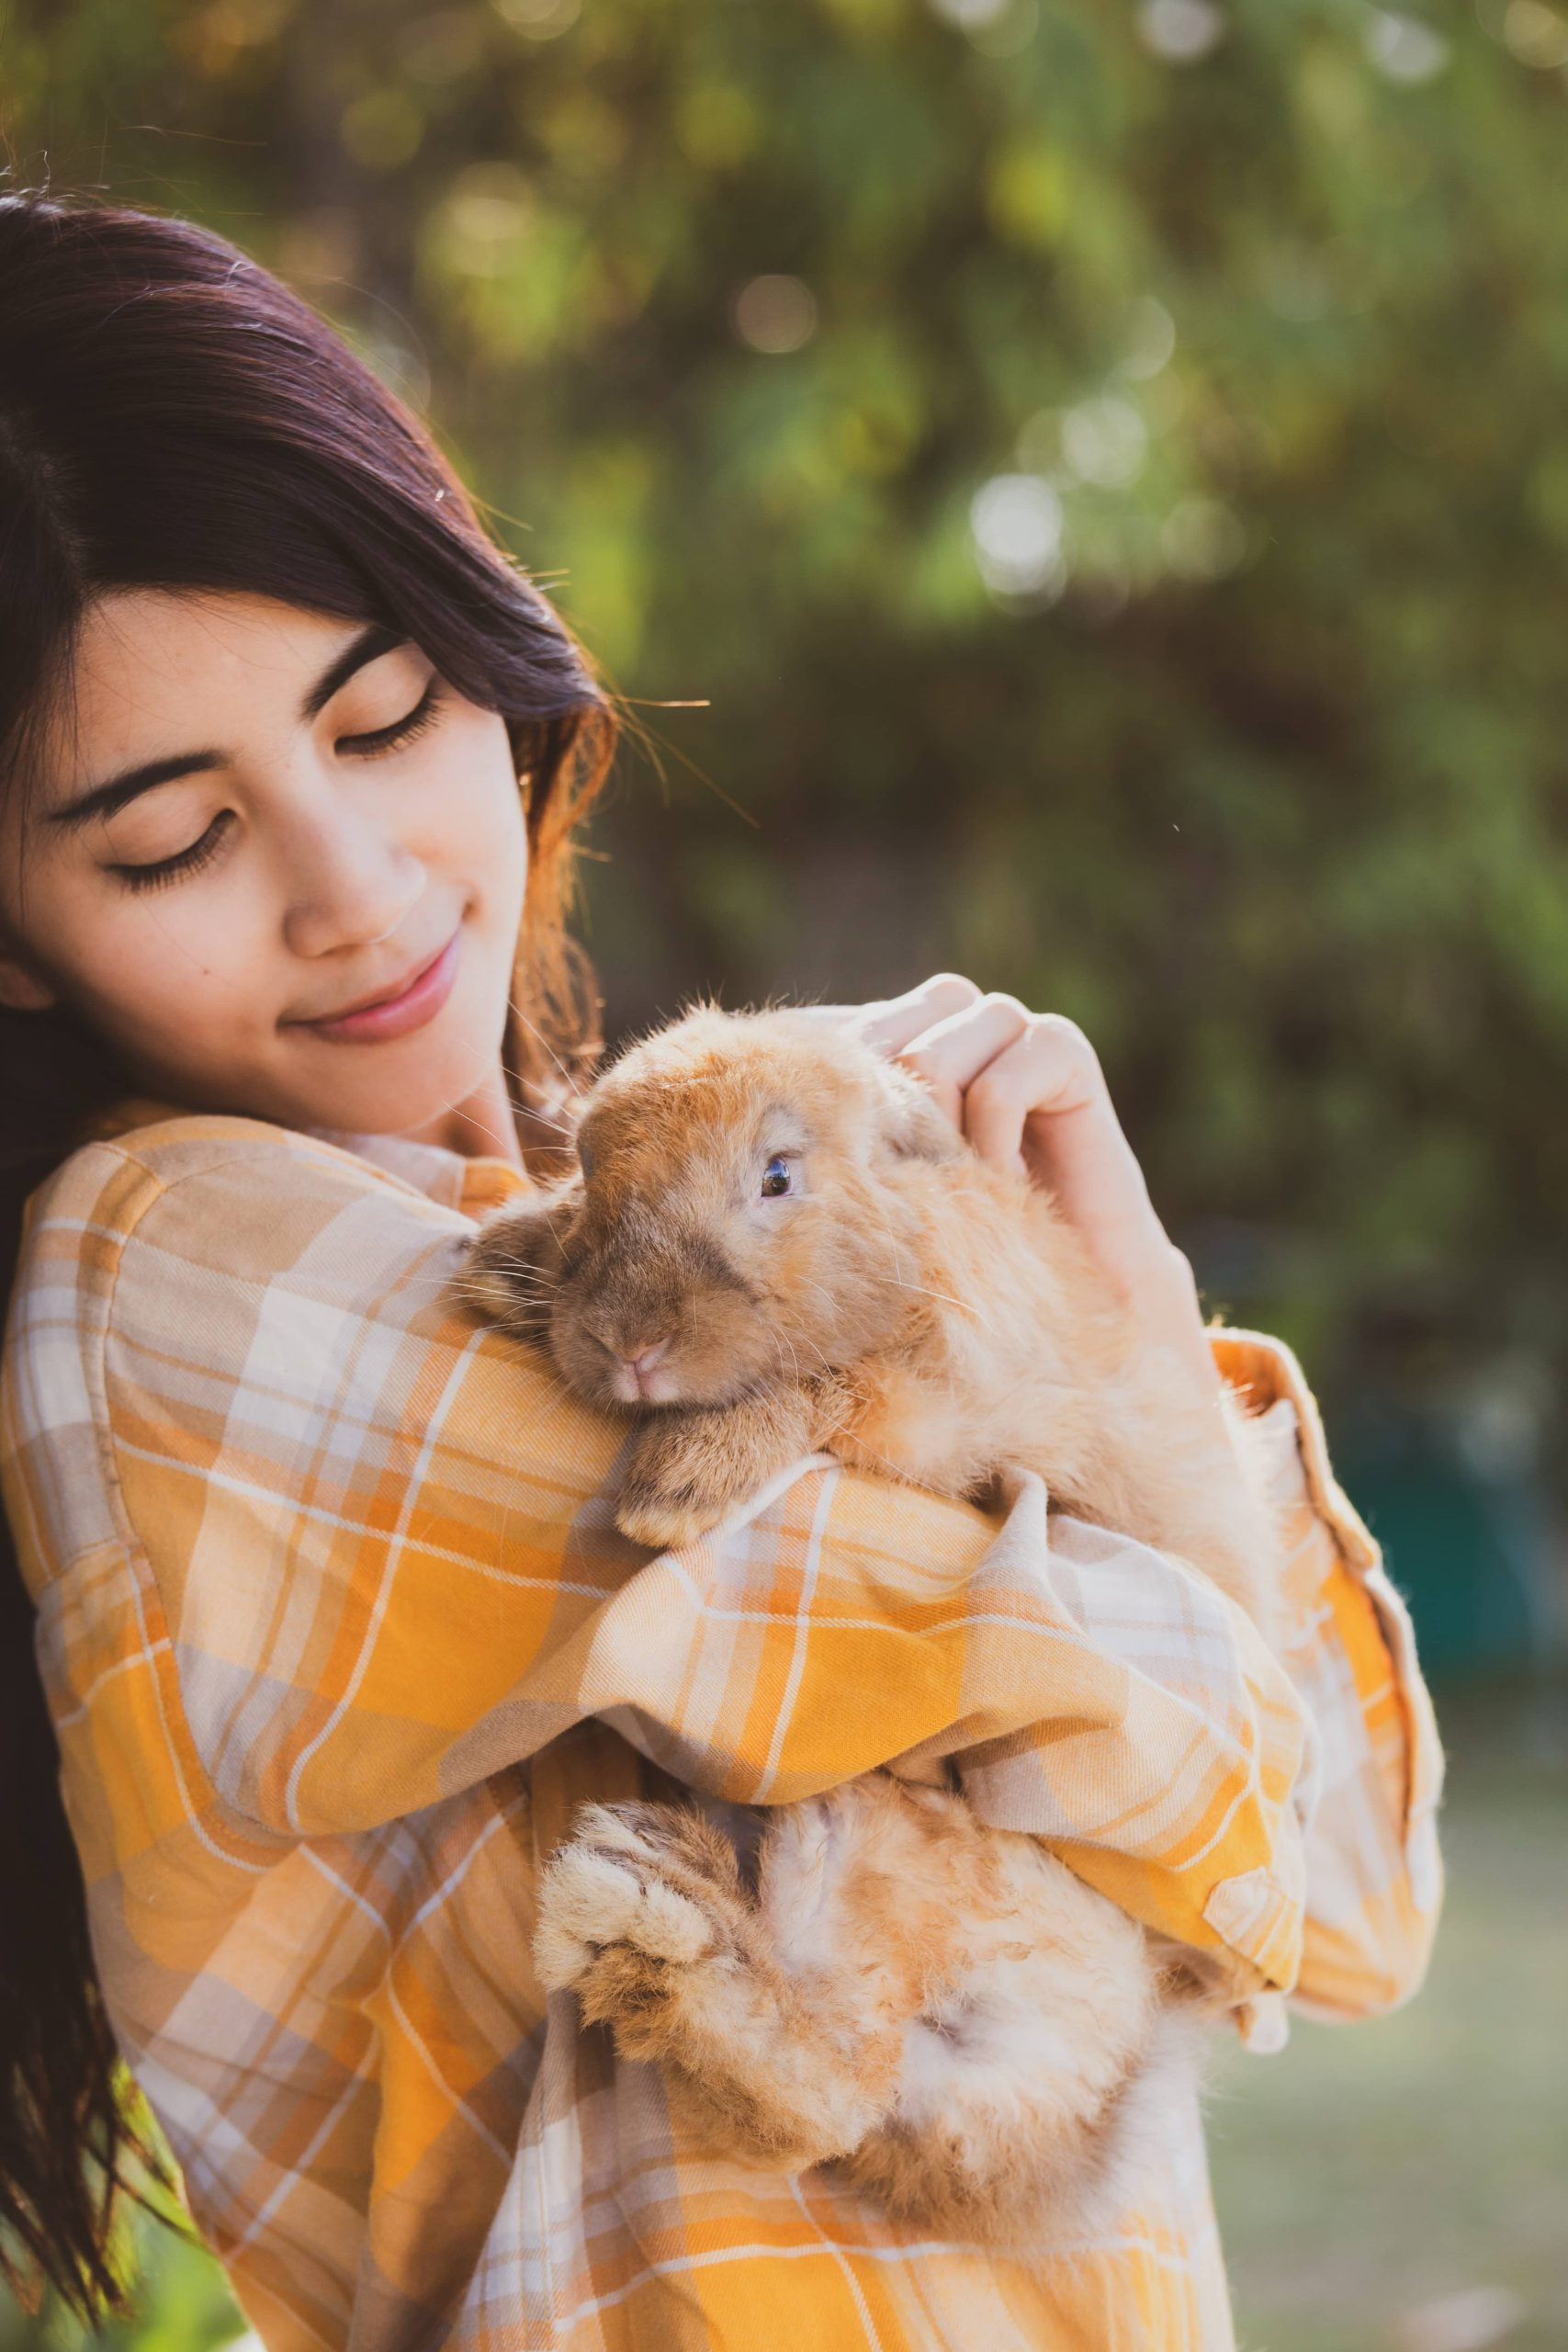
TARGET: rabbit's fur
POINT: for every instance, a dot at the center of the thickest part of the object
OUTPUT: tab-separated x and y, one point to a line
943	2010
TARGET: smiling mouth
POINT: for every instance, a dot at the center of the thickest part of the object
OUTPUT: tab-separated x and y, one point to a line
409	1006
382	996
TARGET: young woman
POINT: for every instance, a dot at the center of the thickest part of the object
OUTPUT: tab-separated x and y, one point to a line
334	1624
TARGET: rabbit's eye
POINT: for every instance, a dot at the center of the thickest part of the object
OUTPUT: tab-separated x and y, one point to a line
776	1178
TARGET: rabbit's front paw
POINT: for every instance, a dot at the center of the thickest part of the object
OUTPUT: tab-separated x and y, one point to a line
692	1465
635	1900
680	1482
665	1521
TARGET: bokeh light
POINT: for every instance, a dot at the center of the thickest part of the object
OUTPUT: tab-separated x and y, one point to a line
1404	48
1536	35
1181	31
775	313
1016	520
1105	441
540	19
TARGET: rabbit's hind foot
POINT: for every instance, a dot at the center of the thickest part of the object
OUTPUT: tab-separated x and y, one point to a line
643	1914
636	1897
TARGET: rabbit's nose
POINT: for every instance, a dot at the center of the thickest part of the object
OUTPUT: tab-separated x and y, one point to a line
649	1356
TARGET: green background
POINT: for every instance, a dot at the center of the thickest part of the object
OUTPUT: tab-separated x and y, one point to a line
1264	778
1103	472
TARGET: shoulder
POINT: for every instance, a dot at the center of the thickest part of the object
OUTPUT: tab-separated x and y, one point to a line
202	1278
240	1193
123	1174
150	1253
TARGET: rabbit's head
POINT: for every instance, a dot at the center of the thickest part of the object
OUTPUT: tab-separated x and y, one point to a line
737	1220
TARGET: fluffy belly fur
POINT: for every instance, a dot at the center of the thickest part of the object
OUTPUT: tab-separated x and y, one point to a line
942	2011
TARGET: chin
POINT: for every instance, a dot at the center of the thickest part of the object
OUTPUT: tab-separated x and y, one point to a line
407	1101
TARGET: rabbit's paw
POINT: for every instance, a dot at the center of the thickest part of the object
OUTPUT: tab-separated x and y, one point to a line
629	1907
682	1478
665	1521
690	1466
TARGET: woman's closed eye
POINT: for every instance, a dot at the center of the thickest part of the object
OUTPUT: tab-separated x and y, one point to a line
164	870
380	739
375	743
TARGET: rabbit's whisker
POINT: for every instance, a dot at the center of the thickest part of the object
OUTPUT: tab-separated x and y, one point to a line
536	1032
965	1305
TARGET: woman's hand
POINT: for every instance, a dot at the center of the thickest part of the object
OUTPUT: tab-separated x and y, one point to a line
1027	1091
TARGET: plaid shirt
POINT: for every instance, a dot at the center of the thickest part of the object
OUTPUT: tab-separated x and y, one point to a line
337	1630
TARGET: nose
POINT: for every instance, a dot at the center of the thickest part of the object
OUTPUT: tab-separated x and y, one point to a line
647	1358
354	883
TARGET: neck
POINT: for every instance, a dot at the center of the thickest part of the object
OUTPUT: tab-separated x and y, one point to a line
481	1124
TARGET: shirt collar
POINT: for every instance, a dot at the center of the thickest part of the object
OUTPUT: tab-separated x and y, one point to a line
473	1185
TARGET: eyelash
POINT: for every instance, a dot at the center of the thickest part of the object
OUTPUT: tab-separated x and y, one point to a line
375	745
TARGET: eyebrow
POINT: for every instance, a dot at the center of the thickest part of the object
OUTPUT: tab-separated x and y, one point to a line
103	799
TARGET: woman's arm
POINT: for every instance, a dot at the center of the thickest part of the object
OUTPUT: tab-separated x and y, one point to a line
1028	1091
375	1563
1373	1874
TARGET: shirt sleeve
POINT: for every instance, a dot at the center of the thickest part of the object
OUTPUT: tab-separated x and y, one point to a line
378	1561
1370	1799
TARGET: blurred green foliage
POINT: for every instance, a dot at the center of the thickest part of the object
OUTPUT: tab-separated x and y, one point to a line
180	2302
1107	471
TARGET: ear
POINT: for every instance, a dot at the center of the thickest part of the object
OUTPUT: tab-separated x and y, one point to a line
511	1274
23	989
912	1124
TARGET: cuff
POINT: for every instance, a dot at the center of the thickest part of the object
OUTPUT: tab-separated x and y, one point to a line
1264	1372
1273	1389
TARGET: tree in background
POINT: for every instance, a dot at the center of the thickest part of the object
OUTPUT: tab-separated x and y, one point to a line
1106	471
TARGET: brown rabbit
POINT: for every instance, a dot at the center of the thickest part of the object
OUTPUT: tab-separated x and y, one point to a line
777	1242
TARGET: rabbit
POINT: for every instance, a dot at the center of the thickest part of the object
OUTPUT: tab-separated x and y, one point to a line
776	1242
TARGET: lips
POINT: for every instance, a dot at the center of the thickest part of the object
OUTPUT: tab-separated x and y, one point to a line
393	1013
380	996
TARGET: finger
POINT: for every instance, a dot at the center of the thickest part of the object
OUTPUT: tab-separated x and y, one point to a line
1043	1105
950	1055
890	1025
1074	1143
1044	1072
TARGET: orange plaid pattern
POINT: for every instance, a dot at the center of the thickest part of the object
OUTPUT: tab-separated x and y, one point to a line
338	1628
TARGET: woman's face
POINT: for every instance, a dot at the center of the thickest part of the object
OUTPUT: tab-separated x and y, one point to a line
301	815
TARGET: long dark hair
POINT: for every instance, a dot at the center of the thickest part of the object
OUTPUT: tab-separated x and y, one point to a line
170	416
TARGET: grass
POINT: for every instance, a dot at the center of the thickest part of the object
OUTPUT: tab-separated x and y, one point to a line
1368	2174
1367	2177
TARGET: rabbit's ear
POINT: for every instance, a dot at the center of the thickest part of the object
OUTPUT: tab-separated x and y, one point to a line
512	1273
913	1125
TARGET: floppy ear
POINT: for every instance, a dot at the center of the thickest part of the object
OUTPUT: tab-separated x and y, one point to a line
512	1273
912	1126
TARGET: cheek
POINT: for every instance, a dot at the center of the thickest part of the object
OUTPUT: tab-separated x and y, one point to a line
470	814
721	1342
792	1260
177	976
196	1023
